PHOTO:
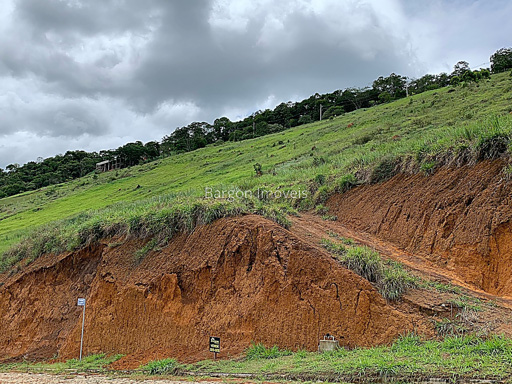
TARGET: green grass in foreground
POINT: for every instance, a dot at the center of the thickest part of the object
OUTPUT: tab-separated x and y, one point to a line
408	356
435	128
93	362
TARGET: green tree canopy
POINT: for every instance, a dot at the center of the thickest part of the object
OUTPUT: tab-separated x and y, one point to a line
501	60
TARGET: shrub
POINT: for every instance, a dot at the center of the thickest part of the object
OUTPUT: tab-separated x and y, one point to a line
275	213
161	367
259	351
455	80
395	282
257	169
331	246
320	179
306	119
493	146
428	167
493	141
390	278
322	194
346	182
365	262
333	112
384	170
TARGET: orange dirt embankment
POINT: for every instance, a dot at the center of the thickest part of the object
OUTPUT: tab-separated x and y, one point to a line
241	279
458	218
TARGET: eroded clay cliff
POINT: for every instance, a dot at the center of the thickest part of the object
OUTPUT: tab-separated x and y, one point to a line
243	279
459	217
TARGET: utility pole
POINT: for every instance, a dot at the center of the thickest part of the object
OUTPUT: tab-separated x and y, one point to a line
81	303
321	112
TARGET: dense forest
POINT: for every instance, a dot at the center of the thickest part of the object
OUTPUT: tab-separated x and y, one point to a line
73	164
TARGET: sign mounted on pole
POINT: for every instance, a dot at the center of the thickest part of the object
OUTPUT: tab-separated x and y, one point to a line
215	346
81	303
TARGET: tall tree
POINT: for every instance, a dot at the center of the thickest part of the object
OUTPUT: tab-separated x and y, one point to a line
501	60
460	68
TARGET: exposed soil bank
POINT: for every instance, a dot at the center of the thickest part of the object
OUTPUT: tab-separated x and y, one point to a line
243	279
459	218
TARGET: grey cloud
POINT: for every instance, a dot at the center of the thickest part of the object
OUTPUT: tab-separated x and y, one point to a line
51	117
186	61
189	60
45	38
113	71
89	17
72	121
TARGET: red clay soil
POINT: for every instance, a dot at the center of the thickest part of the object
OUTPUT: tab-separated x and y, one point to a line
457	220
494	316
241	279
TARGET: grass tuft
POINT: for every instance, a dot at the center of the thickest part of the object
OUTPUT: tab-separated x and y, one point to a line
259	351
161	367
390	278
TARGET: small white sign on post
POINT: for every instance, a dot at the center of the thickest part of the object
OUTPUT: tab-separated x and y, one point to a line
81	303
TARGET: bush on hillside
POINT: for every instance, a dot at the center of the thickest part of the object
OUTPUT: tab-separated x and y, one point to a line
383	171
345	183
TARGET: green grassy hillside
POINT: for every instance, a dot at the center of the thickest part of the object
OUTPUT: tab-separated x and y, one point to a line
471	122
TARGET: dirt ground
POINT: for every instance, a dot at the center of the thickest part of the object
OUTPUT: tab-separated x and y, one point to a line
30	378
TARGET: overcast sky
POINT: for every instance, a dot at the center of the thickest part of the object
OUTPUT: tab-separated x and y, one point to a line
96	74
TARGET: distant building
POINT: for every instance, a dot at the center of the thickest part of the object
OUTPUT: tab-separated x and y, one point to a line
108	165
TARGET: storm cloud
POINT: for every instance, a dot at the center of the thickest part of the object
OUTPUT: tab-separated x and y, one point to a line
96	74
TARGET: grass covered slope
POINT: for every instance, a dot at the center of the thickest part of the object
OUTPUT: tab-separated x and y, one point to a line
419	133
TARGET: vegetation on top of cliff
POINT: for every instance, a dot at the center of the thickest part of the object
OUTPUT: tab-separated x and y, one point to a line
449	126
157	218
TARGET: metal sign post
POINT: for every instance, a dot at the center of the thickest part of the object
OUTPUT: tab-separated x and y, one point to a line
215	346
81	303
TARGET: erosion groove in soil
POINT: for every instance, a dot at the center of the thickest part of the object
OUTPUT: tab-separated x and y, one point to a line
458	218
242	279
